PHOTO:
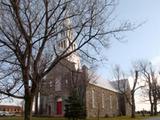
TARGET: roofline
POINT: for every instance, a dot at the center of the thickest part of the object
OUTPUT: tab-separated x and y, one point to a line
116	91
10	106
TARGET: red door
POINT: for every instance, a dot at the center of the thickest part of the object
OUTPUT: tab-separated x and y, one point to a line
59	107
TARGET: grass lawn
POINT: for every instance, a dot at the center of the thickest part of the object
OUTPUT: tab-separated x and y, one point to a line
45	118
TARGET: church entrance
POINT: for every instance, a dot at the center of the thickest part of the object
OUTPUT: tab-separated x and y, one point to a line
59	106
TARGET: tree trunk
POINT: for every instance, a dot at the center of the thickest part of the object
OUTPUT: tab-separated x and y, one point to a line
151	109
150	99
36	104
28	107
155	107
133	111
133	106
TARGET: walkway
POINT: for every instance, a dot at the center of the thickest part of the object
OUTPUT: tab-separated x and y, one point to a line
153	118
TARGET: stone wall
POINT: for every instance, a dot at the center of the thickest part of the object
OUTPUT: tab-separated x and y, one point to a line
128	106
59	83
105	102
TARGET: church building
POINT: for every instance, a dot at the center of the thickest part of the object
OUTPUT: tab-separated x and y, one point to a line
100	96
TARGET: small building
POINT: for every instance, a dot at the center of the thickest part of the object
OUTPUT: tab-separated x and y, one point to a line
11	109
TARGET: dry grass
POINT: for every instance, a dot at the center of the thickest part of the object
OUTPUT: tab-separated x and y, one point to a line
47	118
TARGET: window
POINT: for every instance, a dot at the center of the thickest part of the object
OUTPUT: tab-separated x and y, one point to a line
61	44
64	44
66	81
58	84
102	99
50	84
117	103
110	101
63	33
93	99
74	46
69	34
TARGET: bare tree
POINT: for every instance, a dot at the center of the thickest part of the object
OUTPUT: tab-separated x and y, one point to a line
150	76
32	37
158	91
122	85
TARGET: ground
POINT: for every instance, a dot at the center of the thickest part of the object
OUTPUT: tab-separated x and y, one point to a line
115	118
158	118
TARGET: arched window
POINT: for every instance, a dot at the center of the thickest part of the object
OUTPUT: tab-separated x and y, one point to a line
61	44
66	81
58	84
50	83
74	46
102	99
93	99
110	101
63	33
64	44
117	102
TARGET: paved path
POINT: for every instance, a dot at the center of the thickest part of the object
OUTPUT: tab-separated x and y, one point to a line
153	118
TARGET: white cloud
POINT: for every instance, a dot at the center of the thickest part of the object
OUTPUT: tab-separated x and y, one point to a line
12	101
156	62
140	99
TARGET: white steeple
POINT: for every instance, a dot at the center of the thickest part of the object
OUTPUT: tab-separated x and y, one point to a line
68	42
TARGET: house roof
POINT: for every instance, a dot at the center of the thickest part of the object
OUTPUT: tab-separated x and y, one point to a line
10	106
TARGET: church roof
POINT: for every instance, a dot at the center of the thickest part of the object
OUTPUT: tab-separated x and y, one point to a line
115	86
103	83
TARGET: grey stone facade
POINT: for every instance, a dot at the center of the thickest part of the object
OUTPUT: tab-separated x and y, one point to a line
106	102
99	101
57	87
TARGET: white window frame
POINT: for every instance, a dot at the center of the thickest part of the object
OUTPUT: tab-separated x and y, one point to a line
58	86
103	100
110	101
117	103
93	99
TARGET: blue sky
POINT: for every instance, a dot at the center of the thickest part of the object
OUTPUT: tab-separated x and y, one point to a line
142	43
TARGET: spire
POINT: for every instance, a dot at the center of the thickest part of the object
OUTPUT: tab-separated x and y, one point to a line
67	41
